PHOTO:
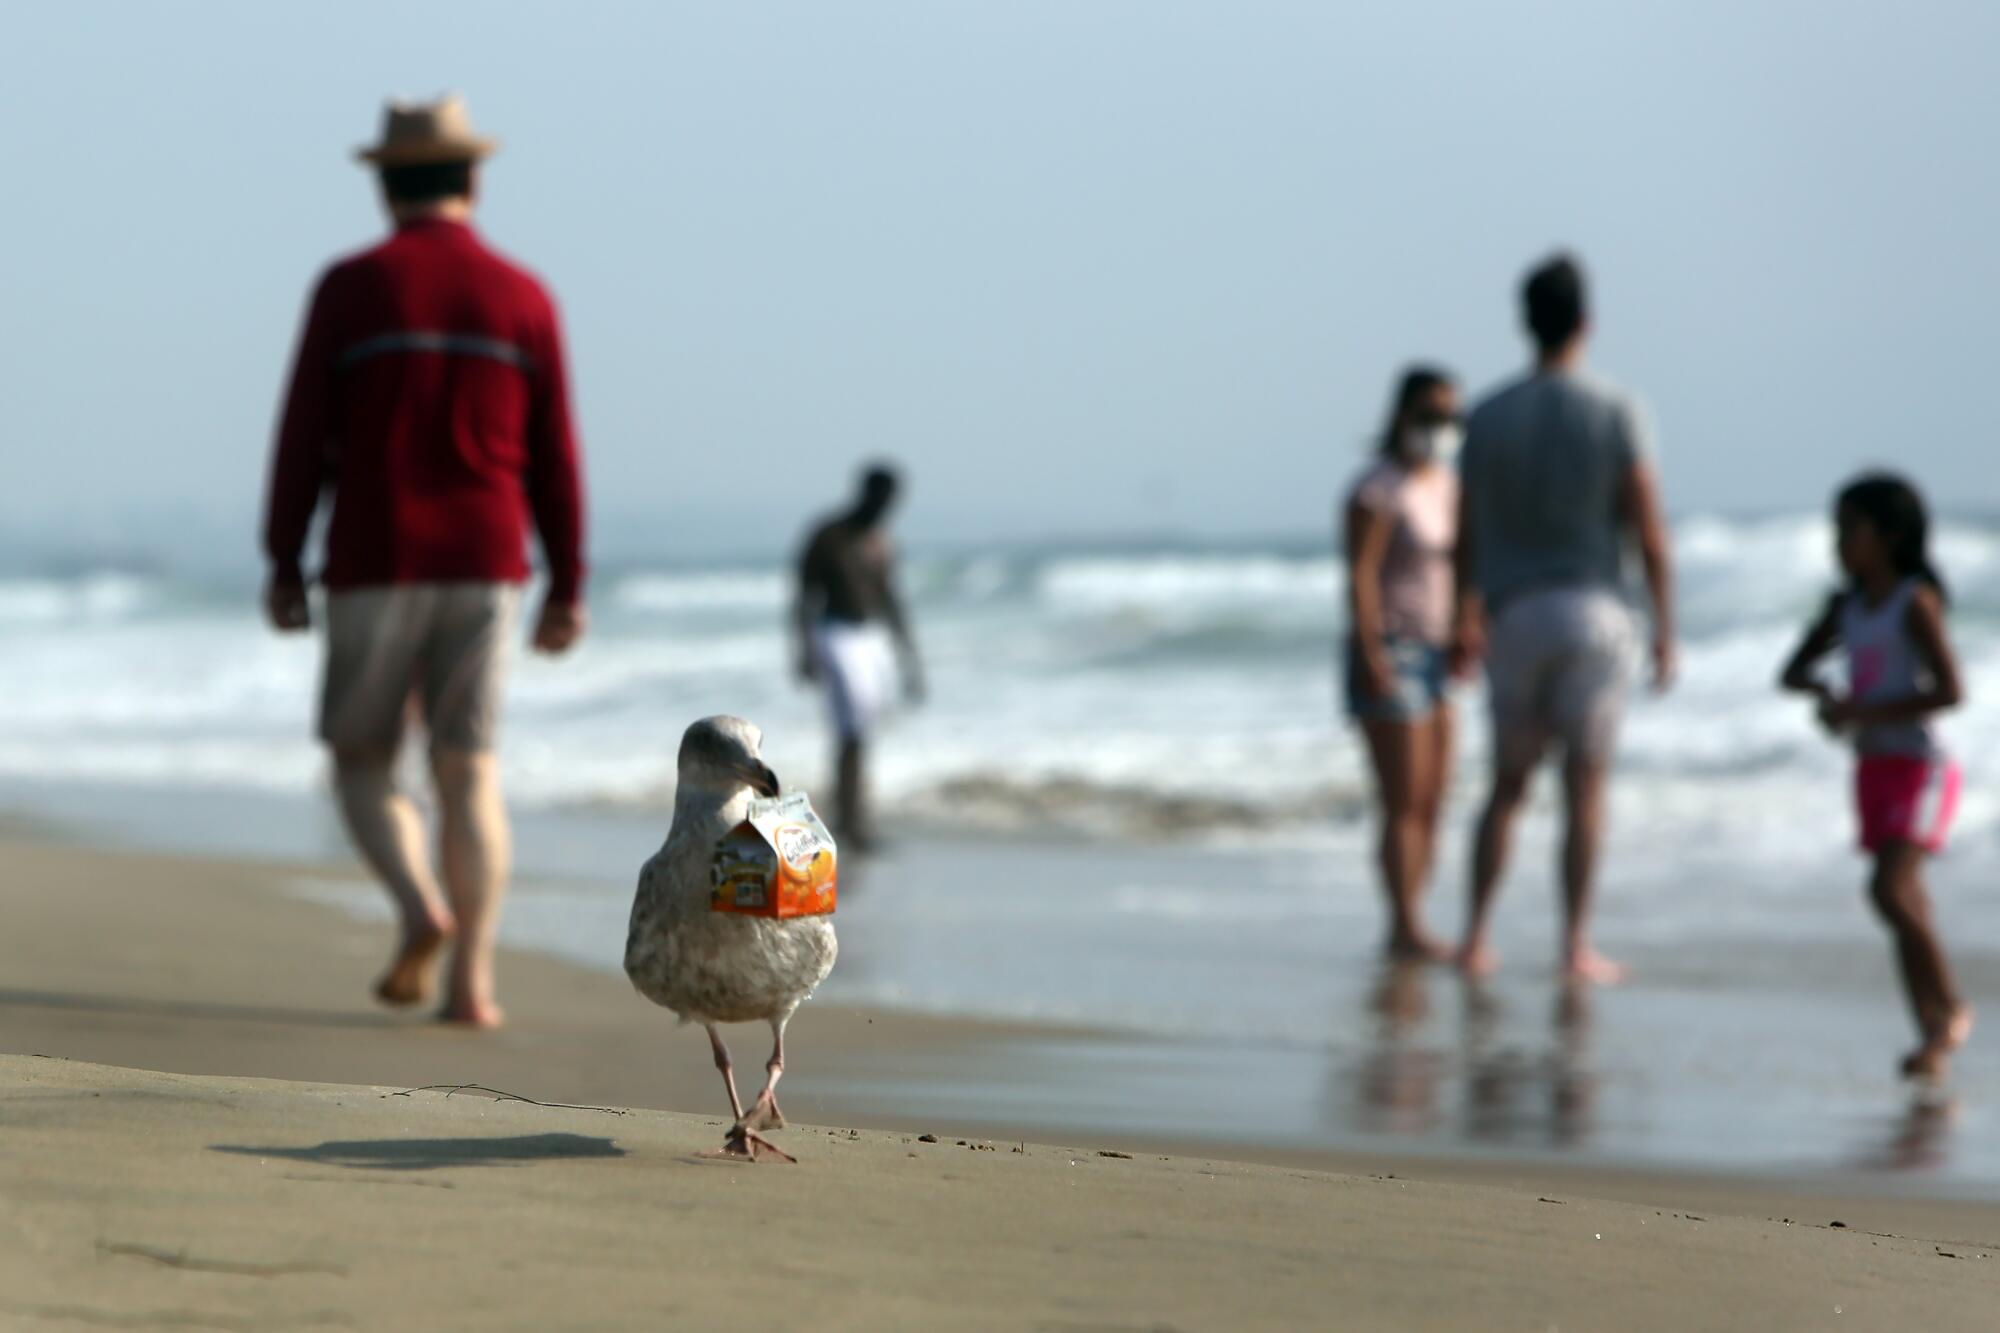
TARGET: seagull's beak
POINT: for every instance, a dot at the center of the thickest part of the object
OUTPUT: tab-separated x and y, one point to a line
761	779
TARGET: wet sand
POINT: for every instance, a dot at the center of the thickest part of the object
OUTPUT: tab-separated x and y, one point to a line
213	967
120	1208
137	1199
1241	1001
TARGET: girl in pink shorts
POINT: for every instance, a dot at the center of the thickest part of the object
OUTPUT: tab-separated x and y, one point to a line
1890	623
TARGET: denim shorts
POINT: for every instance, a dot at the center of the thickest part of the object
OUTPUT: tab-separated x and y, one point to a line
1419	674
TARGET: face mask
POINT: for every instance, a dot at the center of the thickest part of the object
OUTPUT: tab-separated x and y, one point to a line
1436	443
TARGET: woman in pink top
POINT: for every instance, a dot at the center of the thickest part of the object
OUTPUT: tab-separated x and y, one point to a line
1401	521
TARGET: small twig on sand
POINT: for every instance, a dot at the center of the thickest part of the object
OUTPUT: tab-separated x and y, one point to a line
239	1268
449	1088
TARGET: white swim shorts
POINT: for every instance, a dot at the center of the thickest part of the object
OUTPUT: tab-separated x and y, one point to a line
1557	665
857	664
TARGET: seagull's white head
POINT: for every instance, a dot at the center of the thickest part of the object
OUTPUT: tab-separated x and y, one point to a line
720	755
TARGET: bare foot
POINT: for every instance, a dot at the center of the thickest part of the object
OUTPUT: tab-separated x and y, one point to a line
1926	1062
1957	1026
1933	1059
1417	948
1594	967
414	969
1478	961
481	1014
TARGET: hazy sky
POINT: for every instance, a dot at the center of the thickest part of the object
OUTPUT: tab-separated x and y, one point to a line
1117	267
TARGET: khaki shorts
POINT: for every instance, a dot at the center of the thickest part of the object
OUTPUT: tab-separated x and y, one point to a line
442	645
1557	665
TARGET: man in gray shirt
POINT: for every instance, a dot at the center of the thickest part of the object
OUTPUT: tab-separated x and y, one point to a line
1557	486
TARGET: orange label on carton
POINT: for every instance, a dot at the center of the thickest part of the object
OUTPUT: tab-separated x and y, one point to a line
778	862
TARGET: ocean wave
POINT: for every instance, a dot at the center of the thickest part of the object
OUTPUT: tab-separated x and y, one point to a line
1130	692
761	590
89	599
1099	583
1738	572
994	800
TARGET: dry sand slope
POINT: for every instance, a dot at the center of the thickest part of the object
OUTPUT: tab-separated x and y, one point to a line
139	1200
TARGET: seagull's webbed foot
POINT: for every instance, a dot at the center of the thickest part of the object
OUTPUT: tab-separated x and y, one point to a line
745	1144
764	1114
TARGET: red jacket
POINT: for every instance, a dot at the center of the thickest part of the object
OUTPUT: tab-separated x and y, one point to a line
429	393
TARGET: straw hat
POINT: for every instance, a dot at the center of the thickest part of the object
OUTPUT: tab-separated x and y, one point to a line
420	133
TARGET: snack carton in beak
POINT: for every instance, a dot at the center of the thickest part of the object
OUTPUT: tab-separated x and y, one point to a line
778	862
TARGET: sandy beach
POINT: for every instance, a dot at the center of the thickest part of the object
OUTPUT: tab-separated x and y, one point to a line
210	967
200	1196
139	1200
1402	744
1107	982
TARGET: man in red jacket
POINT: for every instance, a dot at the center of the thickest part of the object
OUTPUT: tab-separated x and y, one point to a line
429	395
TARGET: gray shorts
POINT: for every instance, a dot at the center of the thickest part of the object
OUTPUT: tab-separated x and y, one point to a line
1557	665
443	646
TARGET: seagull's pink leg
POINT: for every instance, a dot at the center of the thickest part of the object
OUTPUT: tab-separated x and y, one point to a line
744	1140
764	1114
728	1073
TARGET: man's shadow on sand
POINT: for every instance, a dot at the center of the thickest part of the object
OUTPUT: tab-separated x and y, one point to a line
433	1154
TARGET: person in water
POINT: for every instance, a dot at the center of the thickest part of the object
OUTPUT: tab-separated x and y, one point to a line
852	634
1901	672
1399	526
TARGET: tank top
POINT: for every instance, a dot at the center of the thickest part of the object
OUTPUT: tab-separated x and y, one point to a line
1883	667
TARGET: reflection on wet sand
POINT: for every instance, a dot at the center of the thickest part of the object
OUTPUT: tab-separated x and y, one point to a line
1397	1082
1920	1138
1519	1093
1513	1092
1526	1065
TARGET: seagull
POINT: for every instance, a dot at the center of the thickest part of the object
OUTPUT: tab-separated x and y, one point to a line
714	967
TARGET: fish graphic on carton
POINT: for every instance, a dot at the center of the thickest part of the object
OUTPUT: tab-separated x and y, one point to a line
778	862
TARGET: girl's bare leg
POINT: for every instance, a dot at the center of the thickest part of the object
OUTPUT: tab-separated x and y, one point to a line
1401	753
1430	804
1944	1020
